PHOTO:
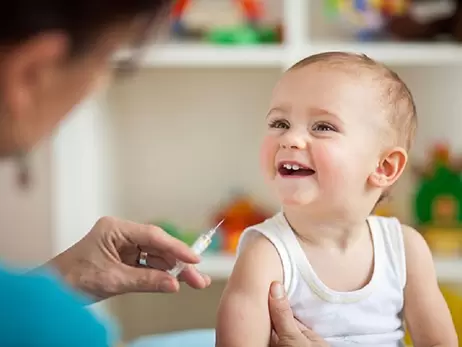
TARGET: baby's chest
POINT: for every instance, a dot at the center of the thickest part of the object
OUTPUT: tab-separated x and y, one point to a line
372	315
343	273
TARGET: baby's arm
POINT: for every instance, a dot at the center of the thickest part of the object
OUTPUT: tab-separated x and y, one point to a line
243	315
425	310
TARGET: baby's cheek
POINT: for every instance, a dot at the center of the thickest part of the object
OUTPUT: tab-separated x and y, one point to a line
267	154
333	163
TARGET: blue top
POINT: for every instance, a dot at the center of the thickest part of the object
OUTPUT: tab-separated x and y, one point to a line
38	309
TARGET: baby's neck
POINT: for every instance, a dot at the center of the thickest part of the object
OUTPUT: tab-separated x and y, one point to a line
329	232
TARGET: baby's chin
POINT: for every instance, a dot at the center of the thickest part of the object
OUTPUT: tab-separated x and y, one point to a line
296	200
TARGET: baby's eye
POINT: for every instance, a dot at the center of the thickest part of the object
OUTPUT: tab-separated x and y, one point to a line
279	124
323	127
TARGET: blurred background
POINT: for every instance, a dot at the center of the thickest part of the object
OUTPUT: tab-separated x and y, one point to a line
177	143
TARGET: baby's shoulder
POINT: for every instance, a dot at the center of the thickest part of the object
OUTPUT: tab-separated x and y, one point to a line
414	242
263	236
255	242
257	258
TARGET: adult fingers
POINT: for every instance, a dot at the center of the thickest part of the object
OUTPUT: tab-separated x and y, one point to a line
194	278
150	236
274	339
311	335
281	314
159	262
301	326
190	275
143	279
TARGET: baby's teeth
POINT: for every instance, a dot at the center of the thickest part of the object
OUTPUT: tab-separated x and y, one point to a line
295	167
288	166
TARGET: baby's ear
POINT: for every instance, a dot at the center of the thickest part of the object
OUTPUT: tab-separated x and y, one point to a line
389	169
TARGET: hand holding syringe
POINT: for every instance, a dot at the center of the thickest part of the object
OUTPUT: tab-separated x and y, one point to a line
198	247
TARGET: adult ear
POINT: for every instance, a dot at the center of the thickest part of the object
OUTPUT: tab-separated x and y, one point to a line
28	68
389	169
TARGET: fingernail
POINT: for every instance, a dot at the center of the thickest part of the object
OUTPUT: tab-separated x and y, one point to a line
166	286
277	291
207	280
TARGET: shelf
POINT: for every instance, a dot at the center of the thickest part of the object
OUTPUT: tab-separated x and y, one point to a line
449	270
201	55
210	56
417	54
219	267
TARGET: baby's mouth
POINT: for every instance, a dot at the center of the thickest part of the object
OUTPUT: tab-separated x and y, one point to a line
294	170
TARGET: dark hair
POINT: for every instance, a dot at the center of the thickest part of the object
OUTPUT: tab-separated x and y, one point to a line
82	20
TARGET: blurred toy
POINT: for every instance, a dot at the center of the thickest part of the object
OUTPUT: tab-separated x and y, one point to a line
368	17
240	213
250	32
179	29
169	228
447	23
438	202
439	196
176	232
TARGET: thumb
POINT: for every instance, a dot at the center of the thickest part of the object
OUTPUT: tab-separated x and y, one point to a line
282	317
132	279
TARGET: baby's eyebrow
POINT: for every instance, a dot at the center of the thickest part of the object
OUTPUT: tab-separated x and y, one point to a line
277	109
315	111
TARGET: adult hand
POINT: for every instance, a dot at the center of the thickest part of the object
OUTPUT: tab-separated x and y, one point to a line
105	262
288	332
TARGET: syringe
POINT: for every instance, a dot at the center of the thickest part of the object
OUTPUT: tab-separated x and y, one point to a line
198	247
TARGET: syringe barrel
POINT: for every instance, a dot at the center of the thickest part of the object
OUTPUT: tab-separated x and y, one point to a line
201	244
179	267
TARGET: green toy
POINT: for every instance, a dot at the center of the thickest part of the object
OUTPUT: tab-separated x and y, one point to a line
170	229
243	35
438	199
188	237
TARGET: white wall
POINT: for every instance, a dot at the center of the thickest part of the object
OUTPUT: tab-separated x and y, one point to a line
81	182
186	138
25	216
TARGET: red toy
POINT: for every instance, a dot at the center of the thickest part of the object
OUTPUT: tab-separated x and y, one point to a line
252	9
239	214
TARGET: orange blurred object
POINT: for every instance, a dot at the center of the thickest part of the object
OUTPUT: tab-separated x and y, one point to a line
252	8
239	214
179	7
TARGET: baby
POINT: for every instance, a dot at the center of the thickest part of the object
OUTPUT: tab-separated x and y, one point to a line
339	129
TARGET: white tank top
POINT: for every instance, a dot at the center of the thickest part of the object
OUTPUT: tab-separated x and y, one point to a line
370	316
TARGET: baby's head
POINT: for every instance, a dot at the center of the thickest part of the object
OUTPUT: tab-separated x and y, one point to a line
340	126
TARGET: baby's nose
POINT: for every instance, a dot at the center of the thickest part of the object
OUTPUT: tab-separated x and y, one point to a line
294	141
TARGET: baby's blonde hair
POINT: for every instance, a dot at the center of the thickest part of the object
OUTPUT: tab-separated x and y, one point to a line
396	96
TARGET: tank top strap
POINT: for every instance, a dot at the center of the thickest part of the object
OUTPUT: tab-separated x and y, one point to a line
393	243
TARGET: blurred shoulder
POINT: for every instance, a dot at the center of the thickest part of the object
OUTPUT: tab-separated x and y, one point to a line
38	309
